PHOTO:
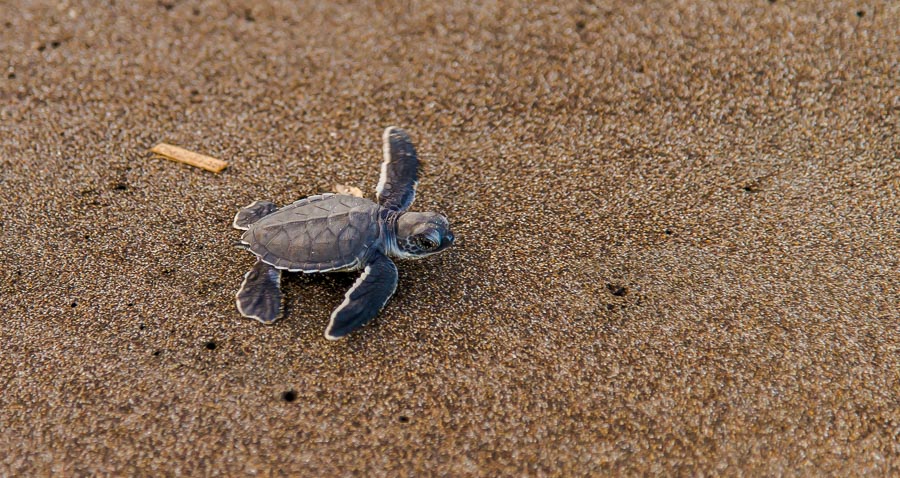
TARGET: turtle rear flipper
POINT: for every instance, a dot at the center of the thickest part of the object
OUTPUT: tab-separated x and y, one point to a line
260	294
252	213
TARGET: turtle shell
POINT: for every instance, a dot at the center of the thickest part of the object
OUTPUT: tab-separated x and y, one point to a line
320	233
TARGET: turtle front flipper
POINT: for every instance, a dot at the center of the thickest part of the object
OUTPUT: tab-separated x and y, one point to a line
260	294
252	213
399	172
365	299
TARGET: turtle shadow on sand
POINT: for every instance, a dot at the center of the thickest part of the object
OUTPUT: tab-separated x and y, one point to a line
305	295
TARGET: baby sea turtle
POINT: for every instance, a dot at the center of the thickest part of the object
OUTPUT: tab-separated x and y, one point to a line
334	232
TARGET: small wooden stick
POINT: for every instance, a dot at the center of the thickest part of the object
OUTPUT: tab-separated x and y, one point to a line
181	155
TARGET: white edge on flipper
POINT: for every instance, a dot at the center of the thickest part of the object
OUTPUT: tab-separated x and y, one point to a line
386	148
415	188
346	301
257	318
234	222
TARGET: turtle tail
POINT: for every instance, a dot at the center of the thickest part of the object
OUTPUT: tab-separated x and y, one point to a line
252	213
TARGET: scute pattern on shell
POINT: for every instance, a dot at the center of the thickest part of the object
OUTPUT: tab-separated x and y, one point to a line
317	234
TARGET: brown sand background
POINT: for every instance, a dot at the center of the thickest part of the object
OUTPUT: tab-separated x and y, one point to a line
678	229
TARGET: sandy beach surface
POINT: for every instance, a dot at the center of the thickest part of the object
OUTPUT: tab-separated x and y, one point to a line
678	240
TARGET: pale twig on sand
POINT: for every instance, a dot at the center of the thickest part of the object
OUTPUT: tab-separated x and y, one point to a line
182	155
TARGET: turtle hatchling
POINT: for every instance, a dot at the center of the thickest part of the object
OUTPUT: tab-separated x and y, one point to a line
335	232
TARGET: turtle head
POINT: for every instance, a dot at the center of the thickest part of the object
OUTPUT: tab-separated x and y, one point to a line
421	234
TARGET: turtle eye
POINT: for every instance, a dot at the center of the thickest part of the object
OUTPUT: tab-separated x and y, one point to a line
424	243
